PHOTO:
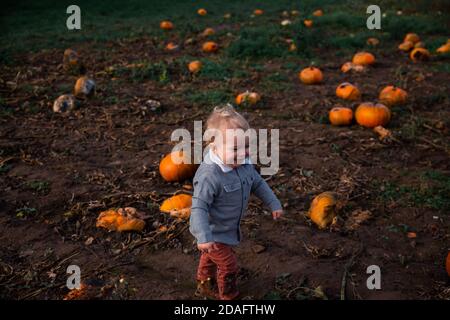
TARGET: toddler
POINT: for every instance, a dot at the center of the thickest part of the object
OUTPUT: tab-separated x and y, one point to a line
222	186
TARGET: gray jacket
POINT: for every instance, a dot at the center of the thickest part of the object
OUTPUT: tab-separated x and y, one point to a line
221	198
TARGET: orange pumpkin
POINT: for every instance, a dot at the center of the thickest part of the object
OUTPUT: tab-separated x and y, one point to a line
406	46
371	115
412	37
444	48
308	23
447	264
208	32
202	12
318	13
373	41
84	87
347	91
178	206
350	66
311	75
340	116
323	209
247	97
391	96
363	58
210	46
125	219
166	25
419	54
258	12
176	167
195	66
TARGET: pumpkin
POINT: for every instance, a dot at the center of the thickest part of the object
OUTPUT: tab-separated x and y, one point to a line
64	103
202	12
318	13
247	97
258	12
392	95
308	23
311	75
347	91
371	115
419	44
84	87
195	66
419	54
373	41
363	58
71	60
340	116
176	167
166	25
126	219
447	264
210	46
412	37
406	46
444	48
171	46
178	206
208	32
323	209
350	66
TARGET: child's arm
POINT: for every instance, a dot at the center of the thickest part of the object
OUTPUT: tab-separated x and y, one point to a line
262	190
204	192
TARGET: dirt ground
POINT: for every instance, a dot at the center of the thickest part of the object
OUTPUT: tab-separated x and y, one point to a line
60	171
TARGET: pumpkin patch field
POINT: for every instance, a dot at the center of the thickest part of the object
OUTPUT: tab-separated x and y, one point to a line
86	118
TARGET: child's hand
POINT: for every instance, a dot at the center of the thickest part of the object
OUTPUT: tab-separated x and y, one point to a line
276	214
205	247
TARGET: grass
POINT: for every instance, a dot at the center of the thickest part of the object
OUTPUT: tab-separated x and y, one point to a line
211	97
432	191
38	186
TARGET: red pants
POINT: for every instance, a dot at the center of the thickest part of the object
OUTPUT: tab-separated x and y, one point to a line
220	263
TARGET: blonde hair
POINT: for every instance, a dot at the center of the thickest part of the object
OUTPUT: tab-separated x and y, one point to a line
225	116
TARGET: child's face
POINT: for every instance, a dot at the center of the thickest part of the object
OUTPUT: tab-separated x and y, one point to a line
232	149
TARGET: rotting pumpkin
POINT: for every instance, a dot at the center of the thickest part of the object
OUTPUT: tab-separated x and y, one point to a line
419	54
323	209
348	91
122	219
178	206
